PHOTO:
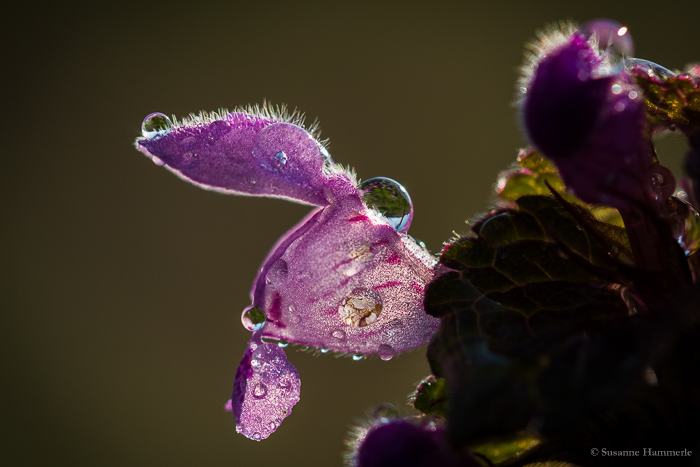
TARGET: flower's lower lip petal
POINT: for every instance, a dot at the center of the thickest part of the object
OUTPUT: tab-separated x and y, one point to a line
346	281
266	388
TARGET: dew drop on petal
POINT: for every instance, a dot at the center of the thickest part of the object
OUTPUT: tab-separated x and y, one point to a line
285	382
156	124
390	199
654	70
614	41
253	318
259	391
357	357
158	161
282	343
386	352
324	350
385	411
361	308
277	274
281	158
686	225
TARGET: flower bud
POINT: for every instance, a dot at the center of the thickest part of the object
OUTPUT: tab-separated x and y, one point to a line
586	114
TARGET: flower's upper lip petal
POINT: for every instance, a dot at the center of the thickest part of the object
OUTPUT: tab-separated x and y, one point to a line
241	153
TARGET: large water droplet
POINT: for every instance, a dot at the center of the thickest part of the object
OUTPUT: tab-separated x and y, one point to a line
390	199
259	391
654	70
324	350
686	226
385	351
361	308
156	124
253	318
357	357
614	41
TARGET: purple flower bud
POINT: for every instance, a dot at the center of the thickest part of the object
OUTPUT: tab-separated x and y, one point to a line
404	443
584	112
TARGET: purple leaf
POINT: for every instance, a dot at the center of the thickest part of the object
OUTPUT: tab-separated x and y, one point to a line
266	388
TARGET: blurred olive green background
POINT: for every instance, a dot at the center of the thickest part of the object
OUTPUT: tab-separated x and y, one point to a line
122	286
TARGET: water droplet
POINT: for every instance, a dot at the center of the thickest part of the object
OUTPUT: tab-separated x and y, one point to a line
614	41
282	343
259	391
156	124
272	426
361	308
285	382
654	70
390	199
686	224
277	274
338	334
251	181
281	158
385	351
385	411
357	357
324	350
393	327
253	318
616	89
158	161
269	373
255	364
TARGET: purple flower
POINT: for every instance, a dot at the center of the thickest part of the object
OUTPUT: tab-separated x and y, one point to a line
347	278
582	110
408	442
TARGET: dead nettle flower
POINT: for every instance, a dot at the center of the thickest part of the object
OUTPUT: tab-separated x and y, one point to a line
581	108
414	441
347	278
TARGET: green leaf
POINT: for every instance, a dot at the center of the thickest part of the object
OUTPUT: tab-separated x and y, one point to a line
505	448
528	333
671	101
533	174
431	396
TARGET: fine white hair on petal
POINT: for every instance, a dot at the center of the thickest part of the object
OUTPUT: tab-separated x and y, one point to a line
547	40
